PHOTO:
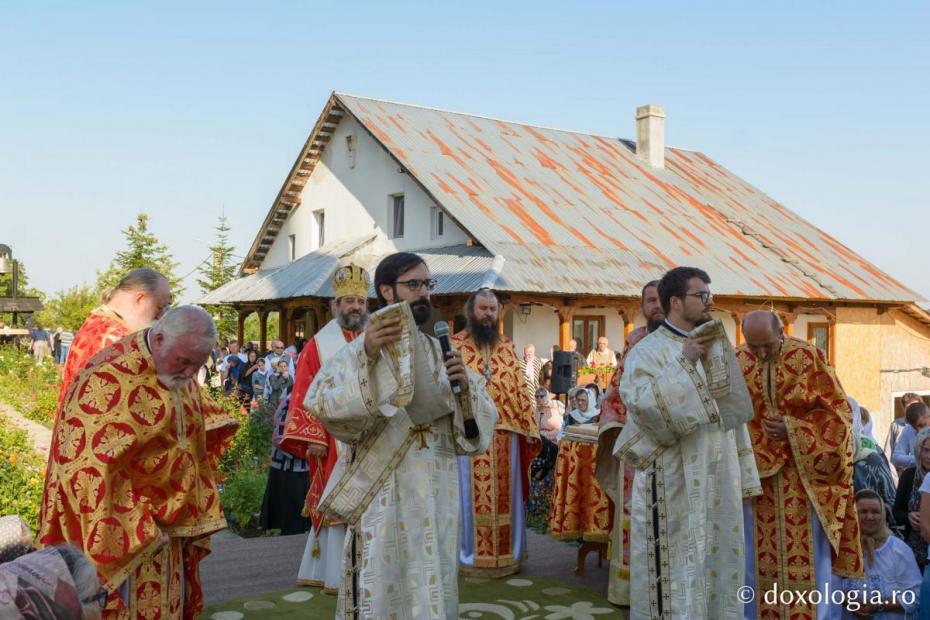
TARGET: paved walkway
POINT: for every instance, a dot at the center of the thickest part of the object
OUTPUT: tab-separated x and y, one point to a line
240	567
40	436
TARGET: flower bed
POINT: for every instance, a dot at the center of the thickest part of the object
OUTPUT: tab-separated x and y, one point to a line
29	388
21	474
601	376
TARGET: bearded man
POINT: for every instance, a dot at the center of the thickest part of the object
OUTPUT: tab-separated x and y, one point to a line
495	485
137	300
803	528
305	437
690	448
131	478
614	477
388	397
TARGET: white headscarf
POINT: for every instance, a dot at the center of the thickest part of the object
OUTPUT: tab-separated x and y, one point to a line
585	417
860	451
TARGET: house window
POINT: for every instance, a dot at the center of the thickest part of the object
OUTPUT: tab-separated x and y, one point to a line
437	223
586	330
320	217
819	335
397	216
351	149
292	246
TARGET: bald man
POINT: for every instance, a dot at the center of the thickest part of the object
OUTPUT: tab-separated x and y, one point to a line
138	300
803	527
131	477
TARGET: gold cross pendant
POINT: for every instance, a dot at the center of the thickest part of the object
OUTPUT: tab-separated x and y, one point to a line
420	431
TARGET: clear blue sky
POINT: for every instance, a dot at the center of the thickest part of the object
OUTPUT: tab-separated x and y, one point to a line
185	110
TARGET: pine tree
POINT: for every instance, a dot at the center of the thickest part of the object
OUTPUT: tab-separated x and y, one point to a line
216	271
144	250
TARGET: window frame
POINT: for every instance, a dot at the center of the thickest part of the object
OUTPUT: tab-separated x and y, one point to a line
814	325
392	215
437	223
585	347
319	216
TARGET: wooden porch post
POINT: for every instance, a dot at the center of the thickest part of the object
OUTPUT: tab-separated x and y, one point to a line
282	324
738	319
263	330
240	325
566	312
504	311
787	320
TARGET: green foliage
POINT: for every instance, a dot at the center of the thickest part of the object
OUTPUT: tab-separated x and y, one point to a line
244	466
252	328
219	269
242	497
29	388
143	250
68	309
21	474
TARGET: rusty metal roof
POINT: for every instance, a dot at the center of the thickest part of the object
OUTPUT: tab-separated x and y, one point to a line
575	213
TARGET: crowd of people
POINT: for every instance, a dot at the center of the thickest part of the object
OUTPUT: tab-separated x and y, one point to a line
409	460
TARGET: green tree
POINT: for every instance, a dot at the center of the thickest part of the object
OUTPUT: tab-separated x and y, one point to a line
69	308
143	250
216	271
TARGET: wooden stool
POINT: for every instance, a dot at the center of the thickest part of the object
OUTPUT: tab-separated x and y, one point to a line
586	548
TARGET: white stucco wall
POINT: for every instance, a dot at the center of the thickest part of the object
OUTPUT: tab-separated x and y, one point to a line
540	328
357	200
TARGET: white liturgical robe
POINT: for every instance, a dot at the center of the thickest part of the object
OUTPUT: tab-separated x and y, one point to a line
400	492
692	473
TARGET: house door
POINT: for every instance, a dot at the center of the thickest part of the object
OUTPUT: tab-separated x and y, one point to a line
586	330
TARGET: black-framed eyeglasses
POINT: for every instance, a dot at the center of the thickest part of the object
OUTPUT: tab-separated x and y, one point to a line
416	285
704	296
100	598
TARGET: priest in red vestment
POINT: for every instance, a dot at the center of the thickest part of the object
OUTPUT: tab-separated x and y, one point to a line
132	469
495	485
803	530
306	438
139	299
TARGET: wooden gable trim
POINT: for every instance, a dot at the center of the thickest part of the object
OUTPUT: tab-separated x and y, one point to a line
288	198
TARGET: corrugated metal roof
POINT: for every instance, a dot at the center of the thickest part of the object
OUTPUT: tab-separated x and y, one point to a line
308	276
575	213
458	269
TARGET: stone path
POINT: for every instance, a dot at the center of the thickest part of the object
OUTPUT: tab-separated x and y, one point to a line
240	567
40	436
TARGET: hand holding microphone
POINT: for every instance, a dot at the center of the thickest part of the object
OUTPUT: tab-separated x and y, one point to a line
457	374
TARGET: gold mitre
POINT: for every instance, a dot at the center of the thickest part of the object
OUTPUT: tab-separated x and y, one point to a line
351	280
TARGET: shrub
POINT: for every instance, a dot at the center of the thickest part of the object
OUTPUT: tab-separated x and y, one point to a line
243	469
29	388
242	496
21	474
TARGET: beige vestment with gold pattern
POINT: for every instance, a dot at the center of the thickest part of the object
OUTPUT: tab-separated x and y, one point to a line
400	494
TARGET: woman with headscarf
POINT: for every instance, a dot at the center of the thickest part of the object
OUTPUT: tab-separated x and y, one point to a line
549	415
907	500
892	579
870	469
585	411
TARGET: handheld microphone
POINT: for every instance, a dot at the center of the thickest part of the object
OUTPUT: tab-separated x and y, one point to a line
441	329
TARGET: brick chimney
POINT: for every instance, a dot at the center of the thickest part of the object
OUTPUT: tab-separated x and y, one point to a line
650	135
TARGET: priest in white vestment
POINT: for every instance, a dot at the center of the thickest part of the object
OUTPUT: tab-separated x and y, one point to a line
388	397
686	436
